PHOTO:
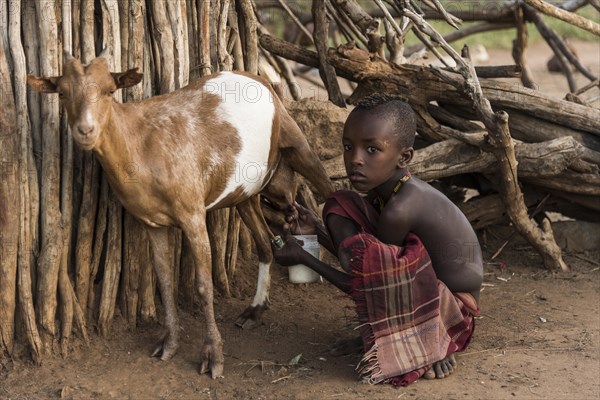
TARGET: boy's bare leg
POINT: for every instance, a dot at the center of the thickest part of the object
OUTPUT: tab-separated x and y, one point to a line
442	368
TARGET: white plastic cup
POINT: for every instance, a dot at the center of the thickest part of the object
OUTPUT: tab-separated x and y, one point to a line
300	273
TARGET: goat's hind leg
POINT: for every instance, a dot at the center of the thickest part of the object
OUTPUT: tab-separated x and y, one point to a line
253	218
160	247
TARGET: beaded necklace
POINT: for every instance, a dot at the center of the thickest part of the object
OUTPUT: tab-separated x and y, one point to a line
397	187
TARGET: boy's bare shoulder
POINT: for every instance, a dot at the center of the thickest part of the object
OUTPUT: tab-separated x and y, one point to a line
417	203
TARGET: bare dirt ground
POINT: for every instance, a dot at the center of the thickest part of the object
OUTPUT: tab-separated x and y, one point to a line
538	336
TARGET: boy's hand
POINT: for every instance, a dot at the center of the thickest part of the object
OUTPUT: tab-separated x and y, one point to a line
291	253
301	220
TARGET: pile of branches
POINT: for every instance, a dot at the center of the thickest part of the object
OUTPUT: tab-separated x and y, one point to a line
521	149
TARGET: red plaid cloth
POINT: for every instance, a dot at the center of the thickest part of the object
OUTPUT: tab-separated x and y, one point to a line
408	319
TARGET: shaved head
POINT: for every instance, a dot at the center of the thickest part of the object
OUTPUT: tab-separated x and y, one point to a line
396	111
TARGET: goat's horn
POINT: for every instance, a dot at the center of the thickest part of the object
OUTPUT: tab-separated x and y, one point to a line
105	53
67	56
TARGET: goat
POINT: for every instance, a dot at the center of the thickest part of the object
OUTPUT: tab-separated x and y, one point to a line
212	144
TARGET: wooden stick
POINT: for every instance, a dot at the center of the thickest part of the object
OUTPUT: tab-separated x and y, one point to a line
547	34
233	238
16	244
341	26
394	42
88	52
551	35
178	28
450	19
430	46
98	244
464	32
518	51
112	266
355	18
225	60
587	87
326	71
249	23
566	16
10	185
49	260
216	221
296	20
238	54
164	42
64	283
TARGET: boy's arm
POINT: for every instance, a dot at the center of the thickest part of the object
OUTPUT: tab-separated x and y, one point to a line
338	278
292	253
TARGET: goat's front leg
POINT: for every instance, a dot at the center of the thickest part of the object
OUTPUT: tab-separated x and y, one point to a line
159	241
211	358
253	218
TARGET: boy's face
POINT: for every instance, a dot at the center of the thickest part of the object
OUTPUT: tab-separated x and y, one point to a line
372	153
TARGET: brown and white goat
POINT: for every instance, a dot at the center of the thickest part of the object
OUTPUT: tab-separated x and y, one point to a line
212	144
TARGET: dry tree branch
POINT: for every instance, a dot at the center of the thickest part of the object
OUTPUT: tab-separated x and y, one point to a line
406	23
389	18
225	59
332	14
365	23
394	43
564	15
555	42
518	50
348	24
552	39
296	20
430	46
457	35
326	70
450	19
587	87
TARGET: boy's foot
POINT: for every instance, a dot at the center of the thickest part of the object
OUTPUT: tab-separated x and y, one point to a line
441	369
347	347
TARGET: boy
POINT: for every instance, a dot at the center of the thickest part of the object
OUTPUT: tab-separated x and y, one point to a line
415	306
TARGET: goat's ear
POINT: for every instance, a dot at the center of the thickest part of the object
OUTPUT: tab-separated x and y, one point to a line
43	85
127	78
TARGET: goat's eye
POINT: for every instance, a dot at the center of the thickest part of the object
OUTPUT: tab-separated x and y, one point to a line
112	91
61	94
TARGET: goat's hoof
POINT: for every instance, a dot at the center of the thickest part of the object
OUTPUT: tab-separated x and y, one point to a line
212	360
166	349
250	318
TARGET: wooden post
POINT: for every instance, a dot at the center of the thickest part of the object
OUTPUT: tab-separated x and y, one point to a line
52	233
9	204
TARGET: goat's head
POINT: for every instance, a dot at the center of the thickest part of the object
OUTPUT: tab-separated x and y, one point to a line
86	93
